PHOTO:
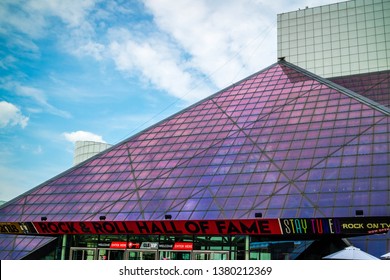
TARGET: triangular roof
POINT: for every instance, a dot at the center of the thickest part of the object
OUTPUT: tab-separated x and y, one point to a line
283	142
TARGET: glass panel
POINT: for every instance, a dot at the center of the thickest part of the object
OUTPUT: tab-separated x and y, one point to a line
82	254
141	255
174	255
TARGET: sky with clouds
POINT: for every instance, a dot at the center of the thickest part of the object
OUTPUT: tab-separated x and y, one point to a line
105	70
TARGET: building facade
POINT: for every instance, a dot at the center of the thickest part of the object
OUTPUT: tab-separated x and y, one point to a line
284	164
341	39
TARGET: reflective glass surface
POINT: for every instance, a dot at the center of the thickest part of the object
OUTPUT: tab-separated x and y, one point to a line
16	247
338	39
279	142
375	86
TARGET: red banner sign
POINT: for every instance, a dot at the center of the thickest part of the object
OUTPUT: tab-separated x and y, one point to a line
208	227
183	246
286	226
124	245
118	245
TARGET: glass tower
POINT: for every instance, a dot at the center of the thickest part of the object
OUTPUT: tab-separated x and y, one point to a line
346	38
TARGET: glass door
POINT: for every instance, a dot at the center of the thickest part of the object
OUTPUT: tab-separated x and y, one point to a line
141	255
82	253
174	255
210	255
220	256
109	254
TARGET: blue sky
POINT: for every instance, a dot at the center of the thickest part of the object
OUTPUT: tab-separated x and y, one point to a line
105	70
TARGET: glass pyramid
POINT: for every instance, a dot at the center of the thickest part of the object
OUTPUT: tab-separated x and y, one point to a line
283	142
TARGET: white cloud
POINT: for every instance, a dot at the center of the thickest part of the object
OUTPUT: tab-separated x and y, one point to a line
10	115
96	50
24	21
38	150
72	12
198	46
37	95
7	62
40	98
15	15
159	62
82	136
33	17
224	38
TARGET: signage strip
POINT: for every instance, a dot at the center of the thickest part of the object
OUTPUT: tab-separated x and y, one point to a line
285	227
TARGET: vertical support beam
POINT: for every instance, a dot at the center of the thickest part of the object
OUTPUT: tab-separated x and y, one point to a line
63	247
247	247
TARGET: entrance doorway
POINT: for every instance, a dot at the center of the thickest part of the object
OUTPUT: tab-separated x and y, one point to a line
174	255
210	255
82	253
141	255
110	254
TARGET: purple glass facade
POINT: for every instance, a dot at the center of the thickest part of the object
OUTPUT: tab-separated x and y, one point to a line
17	247
375	86
279	142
